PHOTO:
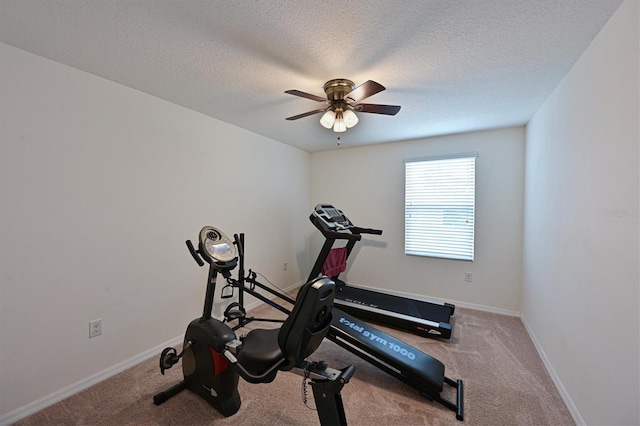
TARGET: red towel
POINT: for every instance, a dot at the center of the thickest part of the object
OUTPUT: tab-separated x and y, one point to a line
336	262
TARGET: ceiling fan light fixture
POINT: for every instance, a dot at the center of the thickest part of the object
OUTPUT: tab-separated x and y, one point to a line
350	118
328	118
339	125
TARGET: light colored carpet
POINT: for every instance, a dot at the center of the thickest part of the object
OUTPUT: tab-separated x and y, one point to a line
505	383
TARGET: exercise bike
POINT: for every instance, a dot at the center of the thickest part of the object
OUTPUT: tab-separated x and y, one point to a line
213	358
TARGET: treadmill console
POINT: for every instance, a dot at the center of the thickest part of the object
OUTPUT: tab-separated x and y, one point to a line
331	218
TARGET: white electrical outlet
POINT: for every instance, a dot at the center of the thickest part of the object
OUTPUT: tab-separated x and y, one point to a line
95	328
468	277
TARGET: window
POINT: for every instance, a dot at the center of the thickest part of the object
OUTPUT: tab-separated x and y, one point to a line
440	206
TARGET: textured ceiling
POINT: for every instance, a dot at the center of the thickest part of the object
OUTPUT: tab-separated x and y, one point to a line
453	65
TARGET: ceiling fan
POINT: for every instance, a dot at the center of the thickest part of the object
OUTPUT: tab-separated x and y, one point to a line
343	100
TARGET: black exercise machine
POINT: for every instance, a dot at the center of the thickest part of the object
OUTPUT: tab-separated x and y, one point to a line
213	358
424	318
393	356
236	310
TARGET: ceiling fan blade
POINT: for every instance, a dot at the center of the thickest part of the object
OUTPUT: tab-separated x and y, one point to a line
306	95
366	89
378	108
306	114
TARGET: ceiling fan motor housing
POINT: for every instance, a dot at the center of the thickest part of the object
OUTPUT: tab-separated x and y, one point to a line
337	89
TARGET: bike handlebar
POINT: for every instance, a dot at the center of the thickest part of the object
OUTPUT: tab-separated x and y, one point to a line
238	244
194	253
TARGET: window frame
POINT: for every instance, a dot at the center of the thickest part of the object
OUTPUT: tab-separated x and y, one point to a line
445	240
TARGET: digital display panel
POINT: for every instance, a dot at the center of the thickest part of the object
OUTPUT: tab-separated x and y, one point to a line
220	248
221	251
333	213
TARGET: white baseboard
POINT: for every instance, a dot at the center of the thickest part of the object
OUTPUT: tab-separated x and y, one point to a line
484	308
554	376
59	395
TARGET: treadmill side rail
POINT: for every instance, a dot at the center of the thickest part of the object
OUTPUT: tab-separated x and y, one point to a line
421	327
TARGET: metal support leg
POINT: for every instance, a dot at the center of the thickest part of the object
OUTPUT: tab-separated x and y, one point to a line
326	393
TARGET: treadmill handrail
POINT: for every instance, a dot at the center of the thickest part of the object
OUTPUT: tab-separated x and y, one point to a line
358	230
335	235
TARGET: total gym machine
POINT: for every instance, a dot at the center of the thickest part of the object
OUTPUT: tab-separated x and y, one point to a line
421	317
213	358
406	363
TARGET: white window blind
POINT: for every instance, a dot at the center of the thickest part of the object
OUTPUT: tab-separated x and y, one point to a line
440	206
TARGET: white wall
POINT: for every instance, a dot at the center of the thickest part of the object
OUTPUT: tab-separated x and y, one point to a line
367	183
101	186
581	259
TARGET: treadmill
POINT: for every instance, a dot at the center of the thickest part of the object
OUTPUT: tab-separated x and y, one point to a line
424	318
